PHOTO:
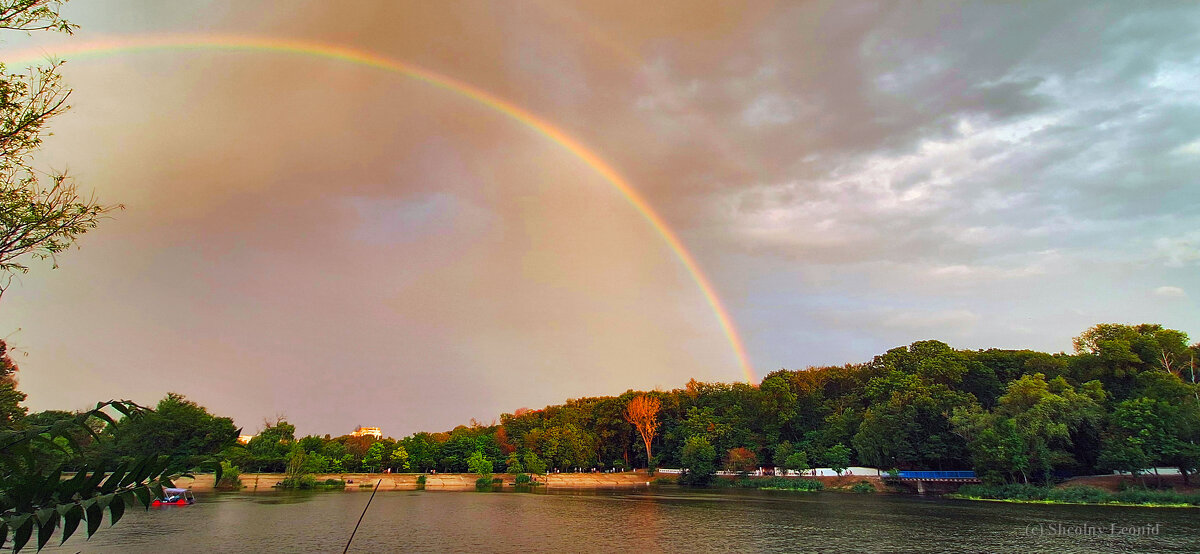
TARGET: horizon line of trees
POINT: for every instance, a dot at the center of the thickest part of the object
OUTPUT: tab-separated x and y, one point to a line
1126	400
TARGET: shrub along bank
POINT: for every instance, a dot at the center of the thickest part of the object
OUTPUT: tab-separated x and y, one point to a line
1020	492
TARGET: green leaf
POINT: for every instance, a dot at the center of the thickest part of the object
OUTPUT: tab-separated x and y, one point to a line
157	489
22	532
71	521
100	414
72	485
113	480
158	467
133	475
94	514
3	533
47	521
144	467
89	487
120	407
116	509
53	479
143	496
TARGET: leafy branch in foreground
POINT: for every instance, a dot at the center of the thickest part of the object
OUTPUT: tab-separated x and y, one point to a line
32	499
37	221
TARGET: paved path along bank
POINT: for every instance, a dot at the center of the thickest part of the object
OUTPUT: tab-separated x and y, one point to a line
265	482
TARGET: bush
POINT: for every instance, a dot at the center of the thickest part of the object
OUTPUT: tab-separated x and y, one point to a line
1009	491
230	477
1079	494
302	482
741	460
699	461
1147	496
523	479
863	486
483	484
480	465
420	479
783	484
334	483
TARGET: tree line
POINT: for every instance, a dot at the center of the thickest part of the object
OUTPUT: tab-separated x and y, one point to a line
1125	400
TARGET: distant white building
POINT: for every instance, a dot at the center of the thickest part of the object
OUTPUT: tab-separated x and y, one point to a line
367	432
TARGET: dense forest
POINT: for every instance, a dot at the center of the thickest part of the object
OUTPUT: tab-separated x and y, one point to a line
1125	400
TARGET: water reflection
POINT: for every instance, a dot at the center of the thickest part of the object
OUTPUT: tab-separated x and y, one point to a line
651	520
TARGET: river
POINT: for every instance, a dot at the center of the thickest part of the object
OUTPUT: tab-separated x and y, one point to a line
661	519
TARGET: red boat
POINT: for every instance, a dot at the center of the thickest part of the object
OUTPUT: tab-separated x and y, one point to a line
175	497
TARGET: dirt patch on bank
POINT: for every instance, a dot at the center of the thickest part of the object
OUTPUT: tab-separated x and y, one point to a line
1112	483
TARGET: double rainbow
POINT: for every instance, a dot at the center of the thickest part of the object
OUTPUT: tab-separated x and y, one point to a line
125	45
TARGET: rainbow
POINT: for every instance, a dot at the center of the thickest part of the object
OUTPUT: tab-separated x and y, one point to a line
124	45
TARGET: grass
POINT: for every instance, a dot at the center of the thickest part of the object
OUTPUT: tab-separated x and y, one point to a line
778	484
1018	492
863	487
306	482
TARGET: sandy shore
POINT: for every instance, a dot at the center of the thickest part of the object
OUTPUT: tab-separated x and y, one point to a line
264	482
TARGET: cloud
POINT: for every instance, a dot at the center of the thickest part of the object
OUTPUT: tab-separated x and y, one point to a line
940	320
850	175
1170	292
906	323
1179	251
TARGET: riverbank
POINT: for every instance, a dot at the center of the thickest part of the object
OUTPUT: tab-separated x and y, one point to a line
266	482
843	483
1078	495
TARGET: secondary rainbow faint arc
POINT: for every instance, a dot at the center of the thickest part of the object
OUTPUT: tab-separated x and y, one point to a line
370	59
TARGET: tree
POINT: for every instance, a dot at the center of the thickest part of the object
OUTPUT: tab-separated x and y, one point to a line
741	460
838	458
177	427
400	459
11	410
1047	415
270	449
295	472
698	461
642	413
373	460
513	464
797	461
480	465
36	220
34	497
998	452
1124	456
782	451
533	464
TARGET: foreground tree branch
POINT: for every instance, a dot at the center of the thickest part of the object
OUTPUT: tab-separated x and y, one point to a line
37	220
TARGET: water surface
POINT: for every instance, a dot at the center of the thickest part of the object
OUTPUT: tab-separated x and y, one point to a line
655	520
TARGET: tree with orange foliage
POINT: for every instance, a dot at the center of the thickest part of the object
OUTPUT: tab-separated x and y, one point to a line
642	413
741	460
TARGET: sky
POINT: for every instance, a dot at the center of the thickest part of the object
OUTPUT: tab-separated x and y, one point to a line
342	245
